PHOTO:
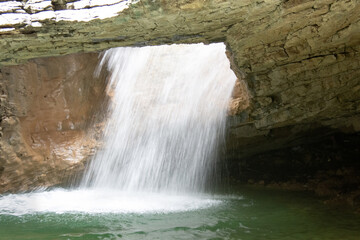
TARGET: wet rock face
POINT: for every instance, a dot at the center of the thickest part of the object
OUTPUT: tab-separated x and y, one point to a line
301	64
48	120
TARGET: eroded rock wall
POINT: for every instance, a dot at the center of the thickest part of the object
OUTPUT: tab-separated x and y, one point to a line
301	64
92	28
51	115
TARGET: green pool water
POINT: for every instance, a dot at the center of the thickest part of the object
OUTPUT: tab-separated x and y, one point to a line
246	214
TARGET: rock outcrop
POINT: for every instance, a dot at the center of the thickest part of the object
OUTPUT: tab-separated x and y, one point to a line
50	119
301	63
298	62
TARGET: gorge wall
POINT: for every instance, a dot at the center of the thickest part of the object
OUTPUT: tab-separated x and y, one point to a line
50	120
298	66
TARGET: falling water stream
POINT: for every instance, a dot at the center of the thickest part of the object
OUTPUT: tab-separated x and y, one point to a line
167	118
150	179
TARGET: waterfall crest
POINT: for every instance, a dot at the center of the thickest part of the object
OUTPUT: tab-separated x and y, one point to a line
167	118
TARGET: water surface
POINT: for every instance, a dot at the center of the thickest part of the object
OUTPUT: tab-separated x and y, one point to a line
246	214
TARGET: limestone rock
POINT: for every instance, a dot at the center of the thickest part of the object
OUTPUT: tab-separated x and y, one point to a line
49	120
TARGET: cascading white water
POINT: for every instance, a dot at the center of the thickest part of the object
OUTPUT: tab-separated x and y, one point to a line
167	118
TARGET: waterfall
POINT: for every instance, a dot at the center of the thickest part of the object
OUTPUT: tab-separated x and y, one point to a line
167	118
166	121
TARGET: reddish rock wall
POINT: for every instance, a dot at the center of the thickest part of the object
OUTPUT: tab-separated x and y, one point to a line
50	120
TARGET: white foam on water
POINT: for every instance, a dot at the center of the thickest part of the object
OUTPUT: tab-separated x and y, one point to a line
101	201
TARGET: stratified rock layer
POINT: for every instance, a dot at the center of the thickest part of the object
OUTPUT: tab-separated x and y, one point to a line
301	63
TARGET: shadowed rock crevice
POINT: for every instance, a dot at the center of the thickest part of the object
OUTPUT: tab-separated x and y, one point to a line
322	161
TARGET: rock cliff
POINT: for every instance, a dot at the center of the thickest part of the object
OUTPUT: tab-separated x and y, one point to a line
50	120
